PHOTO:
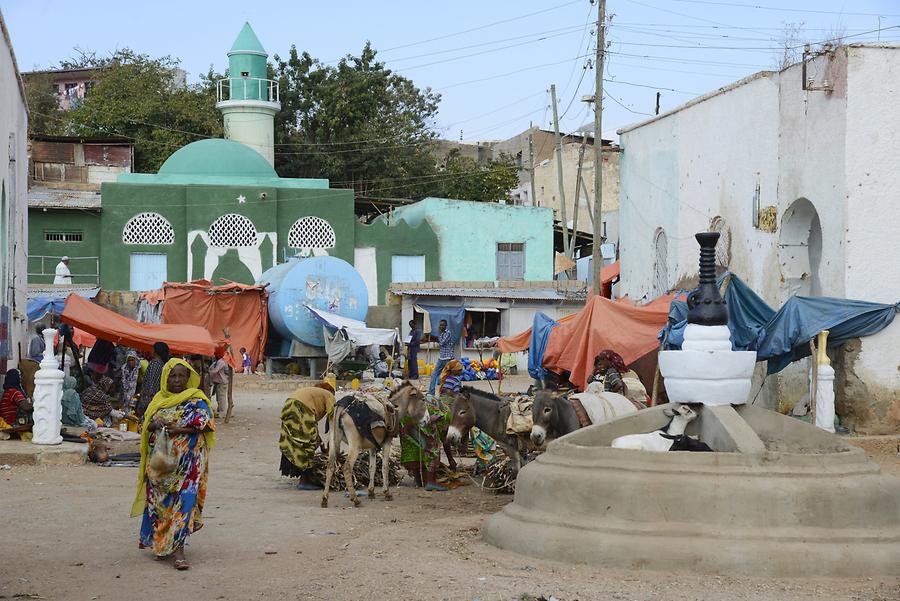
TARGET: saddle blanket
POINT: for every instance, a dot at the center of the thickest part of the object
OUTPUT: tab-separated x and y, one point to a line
366	415
520	420
602	407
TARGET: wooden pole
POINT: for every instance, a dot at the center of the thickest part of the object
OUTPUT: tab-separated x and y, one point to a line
533	198
559	174
814	382
578	183
597	257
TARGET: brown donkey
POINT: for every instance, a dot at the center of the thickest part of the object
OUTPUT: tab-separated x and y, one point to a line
370	425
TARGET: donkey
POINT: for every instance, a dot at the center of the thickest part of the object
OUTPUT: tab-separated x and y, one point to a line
405	400
487	412
554	415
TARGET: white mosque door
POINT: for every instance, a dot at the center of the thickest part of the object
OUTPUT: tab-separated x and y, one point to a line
148	271
364	263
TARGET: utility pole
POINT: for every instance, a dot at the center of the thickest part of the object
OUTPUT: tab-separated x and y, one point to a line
578	183
534	201
559	174
596	255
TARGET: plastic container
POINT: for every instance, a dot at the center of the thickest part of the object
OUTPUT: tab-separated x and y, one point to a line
330	378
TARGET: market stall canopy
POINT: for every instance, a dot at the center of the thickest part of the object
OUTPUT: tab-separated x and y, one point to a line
118	329
357	331
522	341
241	310
609	273
44	301
562	263
629	330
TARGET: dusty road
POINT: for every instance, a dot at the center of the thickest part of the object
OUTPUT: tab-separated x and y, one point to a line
66	536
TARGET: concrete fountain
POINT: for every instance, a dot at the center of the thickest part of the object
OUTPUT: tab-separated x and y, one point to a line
776	497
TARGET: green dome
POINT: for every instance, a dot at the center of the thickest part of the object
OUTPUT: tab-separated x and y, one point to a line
217	157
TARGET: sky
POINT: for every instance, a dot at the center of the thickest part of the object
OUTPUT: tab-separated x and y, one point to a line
492	61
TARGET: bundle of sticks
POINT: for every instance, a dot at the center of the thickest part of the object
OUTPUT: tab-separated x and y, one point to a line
499	476
360	470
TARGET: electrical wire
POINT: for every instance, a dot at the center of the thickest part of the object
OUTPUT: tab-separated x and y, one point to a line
780	9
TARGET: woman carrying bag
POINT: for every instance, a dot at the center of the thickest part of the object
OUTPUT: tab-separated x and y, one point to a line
178	433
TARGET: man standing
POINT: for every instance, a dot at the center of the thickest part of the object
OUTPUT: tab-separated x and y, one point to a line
412	350
445	340
36	345
63	275
218	374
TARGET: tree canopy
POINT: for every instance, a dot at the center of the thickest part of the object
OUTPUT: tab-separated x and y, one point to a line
356	122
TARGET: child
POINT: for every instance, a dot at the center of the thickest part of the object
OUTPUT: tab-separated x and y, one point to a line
246	362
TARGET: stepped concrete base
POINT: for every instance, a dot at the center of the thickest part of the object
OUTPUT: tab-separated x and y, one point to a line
779	497
21	452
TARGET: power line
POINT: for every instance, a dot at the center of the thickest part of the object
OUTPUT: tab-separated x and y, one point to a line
507	74
620	103
480	27
791	10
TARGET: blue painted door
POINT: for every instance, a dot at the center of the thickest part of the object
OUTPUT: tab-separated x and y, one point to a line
148	271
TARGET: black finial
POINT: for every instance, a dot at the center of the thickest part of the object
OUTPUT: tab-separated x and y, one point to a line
706	307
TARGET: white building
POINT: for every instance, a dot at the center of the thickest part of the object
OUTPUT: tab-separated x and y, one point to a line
805	186
13	204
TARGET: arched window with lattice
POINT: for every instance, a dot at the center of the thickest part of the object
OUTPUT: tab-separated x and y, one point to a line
723	246
232	231
311	232
149	229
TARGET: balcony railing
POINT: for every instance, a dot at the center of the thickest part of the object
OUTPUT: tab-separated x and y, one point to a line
247	88
84	270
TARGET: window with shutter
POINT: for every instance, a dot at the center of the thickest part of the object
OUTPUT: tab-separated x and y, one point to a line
510	261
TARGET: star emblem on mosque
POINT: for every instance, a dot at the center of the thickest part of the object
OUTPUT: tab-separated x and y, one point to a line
241	199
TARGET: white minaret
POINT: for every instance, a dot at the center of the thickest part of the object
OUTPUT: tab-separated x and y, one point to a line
247	99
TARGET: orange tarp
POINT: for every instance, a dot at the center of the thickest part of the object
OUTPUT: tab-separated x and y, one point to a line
604	324
242	310
521	342
118	329
609	273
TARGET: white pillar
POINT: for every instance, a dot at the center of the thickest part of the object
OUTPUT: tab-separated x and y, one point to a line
48	388
825	398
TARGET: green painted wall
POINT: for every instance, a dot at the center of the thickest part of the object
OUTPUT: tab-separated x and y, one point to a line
399	239
333	205
52	220
469	232
121	202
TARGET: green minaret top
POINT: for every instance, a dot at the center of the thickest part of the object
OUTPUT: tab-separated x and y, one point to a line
247	43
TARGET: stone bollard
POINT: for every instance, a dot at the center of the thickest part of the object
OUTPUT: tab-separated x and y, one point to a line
824	386
48	388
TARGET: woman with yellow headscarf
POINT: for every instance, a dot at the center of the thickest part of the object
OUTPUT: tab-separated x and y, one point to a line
172	504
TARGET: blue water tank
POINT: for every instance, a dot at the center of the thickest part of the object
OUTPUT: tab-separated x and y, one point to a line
325	283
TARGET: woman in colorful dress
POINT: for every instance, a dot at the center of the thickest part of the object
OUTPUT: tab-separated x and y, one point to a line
15	408
299	437
130	370
172	505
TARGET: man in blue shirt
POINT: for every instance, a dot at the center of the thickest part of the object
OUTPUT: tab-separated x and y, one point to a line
412	354
445	340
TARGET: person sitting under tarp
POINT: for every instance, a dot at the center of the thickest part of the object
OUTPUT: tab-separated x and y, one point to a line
611	371
97	403
15	408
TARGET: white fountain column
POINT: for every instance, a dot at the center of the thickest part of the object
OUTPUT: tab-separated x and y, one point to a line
48	388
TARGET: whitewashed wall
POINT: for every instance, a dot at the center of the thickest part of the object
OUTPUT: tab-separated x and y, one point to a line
837	150
14	175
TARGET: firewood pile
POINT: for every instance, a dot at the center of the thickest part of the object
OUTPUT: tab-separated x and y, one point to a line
360	470
499	476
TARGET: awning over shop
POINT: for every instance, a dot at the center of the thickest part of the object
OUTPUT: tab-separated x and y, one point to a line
357	331
39	306
182	339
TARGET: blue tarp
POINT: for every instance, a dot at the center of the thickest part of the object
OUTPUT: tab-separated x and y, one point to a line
41	305
801	318
454	316
783	336
540	333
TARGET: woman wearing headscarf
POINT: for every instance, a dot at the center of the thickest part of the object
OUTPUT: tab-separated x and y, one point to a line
14	404
172	504
152	376
97	403
451	382
299	437
129	371
72	413
610	368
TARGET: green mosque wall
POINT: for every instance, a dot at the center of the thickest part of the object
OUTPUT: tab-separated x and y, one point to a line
399	239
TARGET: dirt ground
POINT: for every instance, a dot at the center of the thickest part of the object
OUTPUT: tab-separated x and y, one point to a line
67	536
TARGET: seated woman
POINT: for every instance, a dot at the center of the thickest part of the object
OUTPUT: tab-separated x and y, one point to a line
129	374
15	408
72	413
299	437
451	380
97	403
610	368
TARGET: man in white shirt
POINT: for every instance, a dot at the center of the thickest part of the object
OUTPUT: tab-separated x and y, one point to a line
63	275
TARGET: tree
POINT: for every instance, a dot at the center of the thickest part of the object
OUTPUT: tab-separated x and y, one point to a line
137	96
790	45
357	123
44	115
467	180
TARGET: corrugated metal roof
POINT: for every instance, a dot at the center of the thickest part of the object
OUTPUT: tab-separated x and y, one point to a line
547	294
52	198
61	291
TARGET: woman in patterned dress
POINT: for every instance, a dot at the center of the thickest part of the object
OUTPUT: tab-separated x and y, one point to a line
172	505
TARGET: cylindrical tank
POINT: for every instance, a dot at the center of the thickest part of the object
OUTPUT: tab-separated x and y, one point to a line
325	283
